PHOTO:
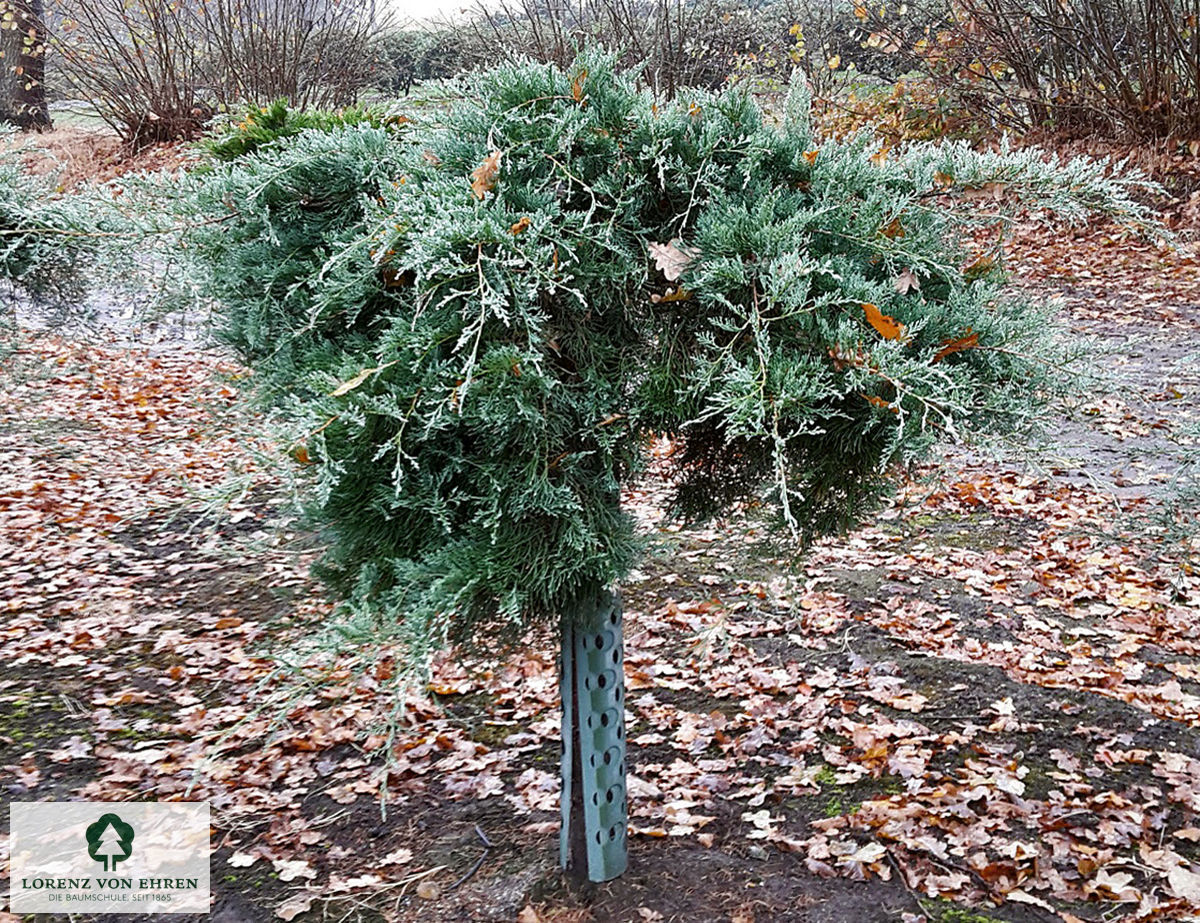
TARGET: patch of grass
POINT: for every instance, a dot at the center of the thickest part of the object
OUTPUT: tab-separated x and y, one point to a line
825	775
26	717
944	912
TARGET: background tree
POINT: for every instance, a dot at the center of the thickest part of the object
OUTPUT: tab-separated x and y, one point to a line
23	64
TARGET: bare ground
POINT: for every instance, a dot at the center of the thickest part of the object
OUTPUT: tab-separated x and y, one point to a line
994	661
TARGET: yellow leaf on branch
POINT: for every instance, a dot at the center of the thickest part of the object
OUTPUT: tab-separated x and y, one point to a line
888	327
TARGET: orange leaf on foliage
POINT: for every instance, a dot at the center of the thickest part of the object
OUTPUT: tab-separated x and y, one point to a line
970	341
577	85
483	177
880	402
889	328
520	226
674	294
811	156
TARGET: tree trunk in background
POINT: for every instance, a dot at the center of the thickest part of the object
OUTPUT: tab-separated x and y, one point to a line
23	65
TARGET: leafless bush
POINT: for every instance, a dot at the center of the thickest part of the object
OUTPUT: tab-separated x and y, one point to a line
676	43
309	52
670	43
157	69
137	62
1116	67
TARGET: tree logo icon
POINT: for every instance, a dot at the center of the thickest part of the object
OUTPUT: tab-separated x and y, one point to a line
110	840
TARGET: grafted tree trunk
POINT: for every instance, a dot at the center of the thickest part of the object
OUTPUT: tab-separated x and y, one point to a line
592	680
23	65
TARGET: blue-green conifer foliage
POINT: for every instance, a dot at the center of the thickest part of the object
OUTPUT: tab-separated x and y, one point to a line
482	319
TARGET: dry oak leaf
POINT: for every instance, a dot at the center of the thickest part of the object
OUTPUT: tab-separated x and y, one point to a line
970	341
1185	883
577	85
889	328
291	869
520	226
349	385
672	259
483	177
295	905
907	282
1112	886
1018	896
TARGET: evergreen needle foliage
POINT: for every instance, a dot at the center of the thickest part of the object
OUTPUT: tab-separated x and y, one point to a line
261	126
39	242
479	321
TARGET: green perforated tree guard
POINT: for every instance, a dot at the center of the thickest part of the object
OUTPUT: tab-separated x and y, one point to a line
592	682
